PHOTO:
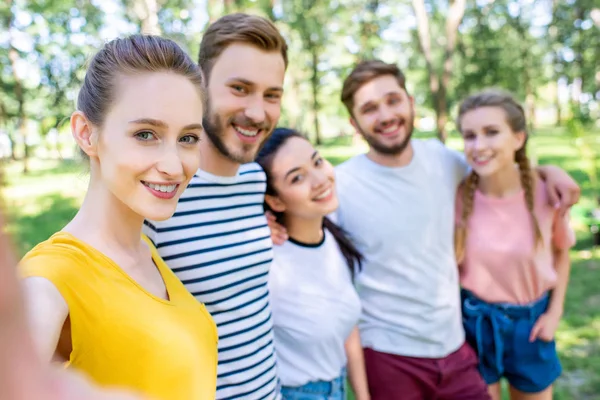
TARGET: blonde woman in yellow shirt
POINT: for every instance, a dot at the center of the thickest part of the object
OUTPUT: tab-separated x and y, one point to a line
98	294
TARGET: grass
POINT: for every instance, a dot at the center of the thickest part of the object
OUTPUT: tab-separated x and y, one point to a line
44	201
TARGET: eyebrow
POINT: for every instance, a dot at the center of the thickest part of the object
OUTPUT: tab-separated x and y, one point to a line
385	95
250	83
291	171
160	124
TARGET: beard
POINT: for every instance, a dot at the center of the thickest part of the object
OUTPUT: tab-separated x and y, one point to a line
390	150
215	126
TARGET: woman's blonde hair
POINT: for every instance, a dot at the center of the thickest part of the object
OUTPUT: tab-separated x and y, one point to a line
515	117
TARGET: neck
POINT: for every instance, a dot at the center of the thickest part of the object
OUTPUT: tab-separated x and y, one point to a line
309	231
503	183
401	159
213	161
105	222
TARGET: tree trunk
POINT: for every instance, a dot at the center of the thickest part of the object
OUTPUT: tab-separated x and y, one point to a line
556	61
557	104
147	12
13	56
267	6
438	85
315	92
368	29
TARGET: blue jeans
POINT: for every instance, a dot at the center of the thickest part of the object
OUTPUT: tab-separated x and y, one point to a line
499	332
319	390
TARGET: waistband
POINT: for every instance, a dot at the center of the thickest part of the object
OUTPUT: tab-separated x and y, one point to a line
473	306
331	387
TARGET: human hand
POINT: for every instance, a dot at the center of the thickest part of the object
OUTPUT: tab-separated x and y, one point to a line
71	385
563	191
545	327
278	231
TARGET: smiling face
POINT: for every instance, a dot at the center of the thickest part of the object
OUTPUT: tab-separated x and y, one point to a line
304	182
147	150
245	89
384	114
490	143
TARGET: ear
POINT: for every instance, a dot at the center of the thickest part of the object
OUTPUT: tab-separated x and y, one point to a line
84	133
520	139
275	203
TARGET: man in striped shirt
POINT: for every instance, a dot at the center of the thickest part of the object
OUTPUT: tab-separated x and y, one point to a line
218	242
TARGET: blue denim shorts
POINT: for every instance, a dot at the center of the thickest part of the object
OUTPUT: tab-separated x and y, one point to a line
500	332
318	390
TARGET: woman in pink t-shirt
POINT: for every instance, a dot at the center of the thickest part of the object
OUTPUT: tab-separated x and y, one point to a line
513	252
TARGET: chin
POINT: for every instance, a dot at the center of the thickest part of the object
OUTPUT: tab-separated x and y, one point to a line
157	213
330	207
485	172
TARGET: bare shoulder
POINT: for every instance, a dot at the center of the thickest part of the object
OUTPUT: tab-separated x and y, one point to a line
40	292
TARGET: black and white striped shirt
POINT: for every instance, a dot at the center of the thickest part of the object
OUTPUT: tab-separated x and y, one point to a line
218	243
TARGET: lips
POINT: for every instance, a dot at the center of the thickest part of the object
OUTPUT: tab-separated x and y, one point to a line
162	190
482	160
247	134
324	195
391	130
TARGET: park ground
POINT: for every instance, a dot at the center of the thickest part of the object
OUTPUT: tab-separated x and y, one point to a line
43	201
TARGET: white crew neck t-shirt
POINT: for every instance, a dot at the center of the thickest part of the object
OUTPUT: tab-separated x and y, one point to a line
402	221
315	307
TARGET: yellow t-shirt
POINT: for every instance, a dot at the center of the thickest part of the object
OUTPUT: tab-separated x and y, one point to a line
123	336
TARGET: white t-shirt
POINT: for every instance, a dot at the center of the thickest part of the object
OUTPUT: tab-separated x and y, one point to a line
315	307
402	220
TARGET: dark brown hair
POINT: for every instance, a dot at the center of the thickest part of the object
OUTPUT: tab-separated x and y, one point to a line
127	56
515	117
265	158
365	72
239	28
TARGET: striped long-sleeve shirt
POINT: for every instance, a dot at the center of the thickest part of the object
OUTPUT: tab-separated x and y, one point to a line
218	244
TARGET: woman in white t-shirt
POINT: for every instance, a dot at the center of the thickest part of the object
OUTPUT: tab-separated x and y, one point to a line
315	306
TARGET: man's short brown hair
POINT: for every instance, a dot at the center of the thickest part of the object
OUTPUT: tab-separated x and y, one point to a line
239	28
365	72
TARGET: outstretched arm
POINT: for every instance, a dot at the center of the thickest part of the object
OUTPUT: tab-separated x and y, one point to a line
23	375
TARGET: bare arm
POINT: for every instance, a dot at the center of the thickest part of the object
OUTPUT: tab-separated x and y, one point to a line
563	191
546	325
22	375
46	311
562	263
356	366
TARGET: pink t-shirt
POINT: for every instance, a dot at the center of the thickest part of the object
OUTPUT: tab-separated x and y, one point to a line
501	264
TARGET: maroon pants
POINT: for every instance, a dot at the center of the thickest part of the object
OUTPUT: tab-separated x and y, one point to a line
455	377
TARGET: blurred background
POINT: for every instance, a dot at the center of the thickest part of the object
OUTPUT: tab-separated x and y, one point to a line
547	52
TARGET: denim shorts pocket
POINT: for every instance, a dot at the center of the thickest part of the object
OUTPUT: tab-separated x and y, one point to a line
538	350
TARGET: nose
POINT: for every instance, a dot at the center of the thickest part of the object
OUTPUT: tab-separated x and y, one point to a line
386	114
479	143
320	178
170	163
255	110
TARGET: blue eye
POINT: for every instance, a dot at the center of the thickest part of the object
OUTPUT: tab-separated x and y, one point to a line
190	139
144	135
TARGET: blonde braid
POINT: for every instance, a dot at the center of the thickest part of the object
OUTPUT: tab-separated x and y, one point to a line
468	195
528	183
